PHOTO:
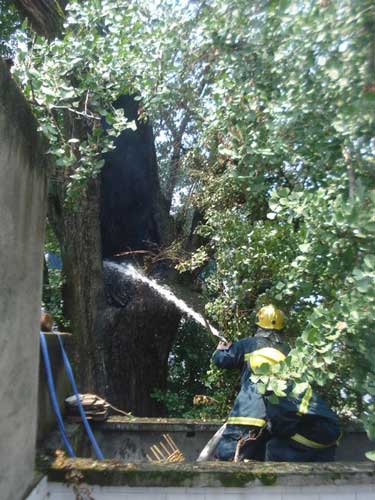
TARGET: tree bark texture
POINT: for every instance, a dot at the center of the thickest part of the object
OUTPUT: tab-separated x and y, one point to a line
78	232
137	325
137	334
46	17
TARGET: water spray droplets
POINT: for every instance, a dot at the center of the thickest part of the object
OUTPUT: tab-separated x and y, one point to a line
129	270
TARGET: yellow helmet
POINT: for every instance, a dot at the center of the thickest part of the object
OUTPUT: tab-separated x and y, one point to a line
270	318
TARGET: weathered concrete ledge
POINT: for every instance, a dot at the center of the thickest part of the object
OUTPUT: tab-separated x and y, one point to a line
129	439
210	474
120	423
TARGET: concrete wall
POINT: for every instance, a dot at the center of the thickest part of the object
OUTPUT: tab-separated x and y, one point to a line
130	439
58	491
23	190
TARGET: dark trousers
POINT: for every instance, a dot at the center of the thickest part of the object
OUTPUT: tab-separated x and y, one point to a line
252	450
286	450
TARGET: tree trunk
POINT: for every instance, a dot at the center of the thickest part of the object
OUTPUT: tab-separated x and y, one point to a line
121	349
138	347
134	214
46	17
137	325
78	232
136	337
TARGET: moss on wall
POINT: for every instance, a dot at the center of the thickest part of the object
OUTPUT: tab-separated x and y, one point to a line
209	474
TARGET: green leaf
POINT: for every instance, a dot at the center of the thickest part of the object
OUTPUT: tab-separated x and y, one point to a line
364	284
299	388
273	399
261	388
305	247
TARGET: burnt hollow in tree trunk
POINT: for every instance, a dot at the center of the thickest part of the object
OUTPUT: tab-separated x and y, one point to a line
133	214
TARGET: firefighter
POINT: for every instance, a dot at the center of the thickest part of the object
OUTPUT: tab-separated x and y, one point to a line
246	435
293	429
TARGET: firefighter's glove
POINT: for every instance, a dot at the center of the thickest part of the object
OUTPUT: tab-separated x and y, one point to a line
223	346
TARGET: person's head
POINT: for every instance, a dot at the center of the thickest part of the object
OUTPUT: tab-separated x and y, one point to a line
270	318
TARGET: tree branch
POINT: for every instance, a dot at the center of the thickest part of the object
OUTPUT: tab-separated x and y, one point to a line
176	157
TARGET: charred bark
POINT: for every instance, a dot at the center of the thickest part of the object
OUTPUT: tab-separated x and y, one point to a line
138	330
134	215
46	17
122	337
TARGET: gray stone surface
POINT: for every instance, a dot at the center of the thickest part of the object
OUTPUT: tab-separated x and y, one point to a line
23	189
134	446
130	439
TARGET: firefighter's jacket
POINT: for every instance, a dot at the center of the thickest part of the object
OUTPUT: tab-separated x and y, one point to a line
249	407
307	420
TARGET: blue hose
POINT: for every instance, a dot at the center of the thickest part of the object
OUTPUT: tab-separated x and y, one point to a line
52	393
86	424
